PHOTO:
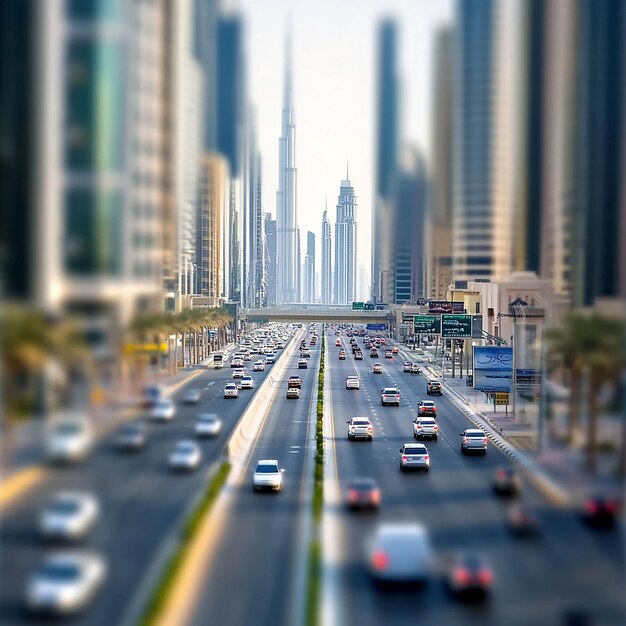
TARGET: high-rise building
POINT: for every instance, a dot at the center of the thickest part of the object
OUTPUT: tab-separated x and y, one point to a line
257	282
286	200
409	203
439	210
387	132
270	259
345	244
584	190
212	207
484	126
327	272
309	268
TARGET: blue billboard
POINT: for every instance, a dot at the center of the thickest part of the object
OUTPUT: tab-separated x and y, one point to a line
377	327
493	368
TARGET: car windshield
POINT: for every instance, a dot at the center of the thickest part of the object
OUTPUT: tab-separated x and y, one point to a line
164	404
64	505
428	403
60	572
67	429
360	422
266	469
390	391
415	451
362	484
231	386
185	446
475	434
208	419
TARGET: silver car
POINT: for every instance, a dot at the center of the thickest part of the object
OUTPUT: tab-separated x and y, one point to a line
208	425
186	455
131	437
425	427
473	440
65	583
400	553
69	515
268	475
163	411
414	456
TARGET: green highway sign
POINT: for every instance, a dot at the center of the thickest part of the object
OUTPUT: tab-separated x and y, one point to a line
426	324
369	306
456	326
358	306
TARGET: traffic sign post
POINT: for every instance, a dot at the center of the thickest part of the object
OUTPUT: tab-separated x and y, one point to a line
426	325
456	326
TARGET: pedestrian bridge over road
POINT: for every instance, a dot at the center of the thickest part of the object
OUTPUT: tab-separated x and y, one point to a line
327	315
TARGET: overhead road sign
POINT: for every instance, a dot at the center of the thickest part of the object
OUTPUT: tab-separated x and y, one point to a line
368	306
456	326
527	377
426	324
358	306
376	327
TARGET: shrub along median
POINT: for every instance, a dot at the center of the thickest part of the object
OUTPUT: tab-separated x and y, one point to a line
315	548
188	532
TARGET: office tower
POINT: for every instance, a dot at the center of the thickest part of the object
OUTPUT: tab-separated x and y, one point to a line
386	157
270	259
409	203
484	142
327	272
93	192
583	199
257	265
345	244
212	207
439	210
231	136
309	268
286	209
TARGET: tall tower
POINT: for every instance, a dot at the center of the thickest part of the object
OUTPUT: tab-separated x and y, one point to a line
309	268
345	244
326	278
286	210
386	159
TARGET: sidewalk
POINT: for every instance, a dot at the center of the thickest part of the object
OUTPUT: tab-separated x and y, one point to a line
28	447
565	465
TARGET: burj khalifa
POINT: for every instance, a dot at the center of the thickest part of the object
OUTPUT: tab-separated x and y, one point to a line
287	262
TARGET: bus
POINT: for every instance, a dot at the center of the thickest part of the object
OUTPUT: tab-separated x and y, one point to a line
218	361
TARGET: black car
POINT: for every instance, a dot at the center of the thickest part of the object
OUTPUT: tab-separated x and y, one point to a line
434	387
600	512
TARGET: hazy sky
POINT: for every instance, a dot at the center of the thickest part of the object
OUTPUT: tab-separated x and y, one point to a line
334	65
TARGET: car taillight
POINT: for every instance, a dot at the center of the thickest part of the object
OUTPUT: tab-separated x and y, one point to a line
419	427
369	429
404	457
426	457
591	507
353	495
376	496
465	439
461	576
380	560
611	507
485	440
435	427
485	577
398	396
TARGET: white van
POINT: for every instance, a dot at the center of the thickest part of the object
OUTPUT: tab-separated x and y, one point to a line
218	361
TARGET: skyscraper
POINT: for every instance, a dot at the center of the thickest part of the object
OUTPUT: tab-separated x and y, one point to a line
270	258
345	244
309	268
483	142
286	208
439	216
327	272
409	203
386	158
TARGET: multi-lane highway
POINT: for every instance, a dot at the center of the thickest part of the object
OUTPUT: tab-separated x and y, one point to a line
537	581
253	576
142	501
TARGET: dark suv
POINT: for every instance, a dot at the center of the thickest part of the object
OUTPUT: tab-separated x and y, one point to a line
434	387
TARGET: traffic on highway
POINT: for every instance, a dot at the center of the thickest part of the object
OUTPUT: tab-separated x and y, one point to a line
423	514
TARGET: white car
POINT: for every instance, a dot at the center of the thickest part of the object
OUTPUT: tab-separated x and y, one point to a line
268	475
208	425
400	553
247	382
65	583
185	456
69	515
239	373
69	441
259	366
293	393
360	427
390	395
353	382
270	359
425	427
231	390
163	411
377	368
